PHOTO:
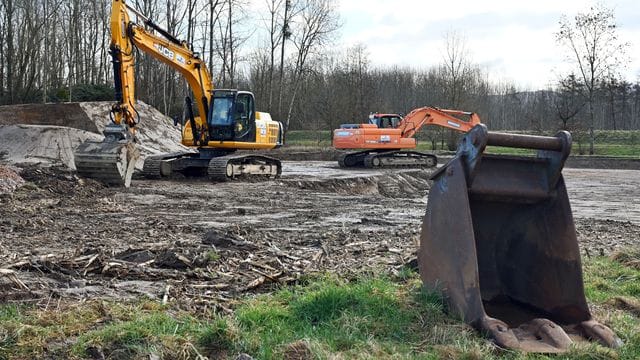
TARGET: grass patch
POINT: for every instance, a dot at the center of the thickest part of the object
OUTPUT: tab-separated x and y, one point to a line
321	138
612	286
327	317
371	317
606	278
94	329
212	256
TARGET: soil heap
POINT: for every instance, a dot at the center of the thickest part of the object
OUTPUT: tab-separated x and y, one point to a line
48	134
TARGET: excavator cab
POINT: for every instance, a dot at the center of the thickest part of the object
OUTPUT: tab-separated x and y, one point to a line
498	239
232	116
385	121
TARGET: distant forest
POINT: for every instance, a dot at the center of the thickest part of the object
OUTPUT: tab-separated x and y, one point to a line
287	54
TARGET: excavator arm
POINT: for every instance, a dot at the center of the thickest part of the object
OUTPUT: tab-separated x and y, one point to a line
113	160
417	118
127	35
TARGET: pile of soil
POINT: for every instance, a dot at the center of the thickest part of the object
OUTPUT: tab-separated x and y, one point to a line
9	180
48	134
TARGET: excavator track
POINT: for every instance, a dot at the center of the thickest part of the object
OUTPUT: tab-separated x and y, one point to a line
352	159
224	168
110	162
151	167
400	159
387	159
158	166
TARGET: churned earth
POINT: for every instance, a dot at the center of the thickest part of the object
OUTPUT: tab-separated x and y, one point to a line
201	244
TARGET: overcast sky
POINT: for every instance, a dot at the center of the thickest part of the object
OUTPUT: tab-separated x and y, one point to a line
512	39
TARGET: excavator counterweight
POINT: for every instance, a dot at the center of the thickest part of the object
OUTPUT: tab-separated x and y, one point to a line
498	239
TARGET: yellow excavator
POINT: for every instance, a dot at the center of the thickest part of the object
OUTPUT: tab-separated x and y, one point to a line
226	120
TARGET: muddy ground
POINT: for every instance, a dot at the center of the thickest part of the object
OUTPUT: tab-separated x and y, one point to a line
201	245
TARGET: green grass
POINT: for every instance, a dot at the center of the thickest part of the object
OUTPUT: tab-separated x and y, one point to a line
608	142
606	279
341	318
212	256
310	138
377	317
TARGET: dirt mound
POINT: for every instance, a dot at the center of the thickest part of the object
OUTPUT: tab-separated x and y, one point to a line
389	184
59	180
9	180
65	114
49	133
39	144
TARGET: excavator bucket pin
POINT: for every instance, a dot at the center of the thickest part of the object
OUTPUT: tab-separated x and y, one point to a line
498	239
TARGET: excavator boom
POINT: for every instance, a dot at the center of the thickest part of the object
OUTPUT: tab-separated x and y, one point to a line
416	119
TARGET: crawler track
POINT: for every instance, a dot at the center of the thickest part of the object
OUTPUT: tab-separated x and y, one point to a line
388	159
227	167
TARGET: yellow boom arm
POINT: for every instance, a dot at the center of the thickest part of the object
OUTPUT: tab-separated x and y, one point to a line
125	36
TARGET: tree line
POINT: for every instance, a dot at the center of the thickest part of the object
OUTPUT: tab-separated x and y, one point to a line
287	54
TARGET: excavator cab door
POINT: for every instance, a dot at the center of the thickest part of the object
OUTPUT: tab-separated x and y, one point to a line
245	117
232	116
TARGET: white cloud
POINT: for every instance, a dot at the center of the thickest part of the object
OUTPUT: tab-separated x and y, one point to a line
514	38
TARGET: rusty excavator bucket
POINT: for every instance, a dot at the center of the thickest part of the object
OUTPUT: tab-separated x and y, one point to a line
498	240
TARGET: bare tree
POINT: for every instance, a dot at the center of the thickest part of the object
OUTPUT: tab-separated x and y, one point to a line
214	18
275	37
568	101
9	12
2	52
592	41
457	71
290	10
230	40
457	68
358	67
317	22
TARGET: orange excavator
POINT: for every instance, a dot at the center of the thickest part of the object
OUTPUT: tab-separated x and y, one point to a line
381	141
